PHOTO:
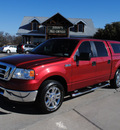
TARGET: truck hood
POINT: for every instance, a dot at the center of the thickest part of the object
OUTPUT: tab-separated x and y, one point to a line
27	60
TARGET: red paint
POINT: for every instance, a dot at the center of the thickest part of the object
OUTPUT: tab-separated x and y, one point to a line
76	76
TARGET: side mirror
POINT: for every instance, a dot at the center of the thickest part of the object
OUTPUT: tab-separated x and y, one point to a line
83	56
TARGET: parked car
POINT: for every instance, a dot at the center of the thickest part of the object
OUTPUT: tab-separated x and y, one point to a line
9	48
25	48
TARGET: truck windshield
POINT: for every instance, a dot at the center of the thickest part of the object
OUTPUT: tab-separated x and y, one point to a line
56	47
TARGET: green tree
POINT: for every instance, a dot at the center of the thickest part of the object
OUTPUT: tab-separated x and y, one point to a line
110	32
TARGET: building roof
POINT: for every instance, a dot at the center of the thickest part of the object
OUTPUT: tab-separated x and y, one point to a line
25	27
89	29
69	23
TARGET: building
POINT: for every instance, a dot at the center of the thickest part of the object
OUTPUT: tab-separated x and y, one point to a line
38	29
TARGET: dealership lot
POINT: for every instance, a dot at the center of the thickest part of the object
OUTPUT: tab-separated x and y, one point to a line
98	110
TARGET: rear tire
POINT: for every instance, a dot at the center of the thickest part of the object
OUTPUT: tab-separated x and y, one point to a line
115	83
27	52
8	51
50	96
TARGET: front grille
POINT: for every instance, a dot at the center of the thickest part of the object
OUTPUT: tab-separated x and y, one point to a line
6	71
2	67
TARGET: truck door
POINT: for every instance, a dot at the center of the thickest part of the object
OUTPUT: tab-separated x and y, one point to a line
84	71
103	61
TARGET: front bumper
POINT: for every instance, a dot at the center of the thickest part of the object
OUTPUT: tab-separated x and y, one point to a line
19	96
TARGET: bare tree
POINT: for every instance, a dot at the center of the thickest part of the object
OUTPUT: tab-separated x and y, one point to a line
6	38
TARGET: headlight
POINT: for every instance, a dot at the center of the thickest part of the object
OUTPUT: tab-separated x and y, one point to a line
23	74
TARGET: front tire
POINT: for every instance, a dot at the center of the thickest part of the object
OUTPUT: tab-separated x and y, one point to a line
50	96
115	83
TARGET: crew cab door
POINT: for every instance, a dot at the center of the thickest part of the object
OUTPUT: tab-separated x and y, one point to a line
103	61
84	71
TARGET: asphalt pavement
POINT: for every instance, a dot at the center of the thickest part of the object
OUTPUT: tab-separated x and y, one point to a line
98	110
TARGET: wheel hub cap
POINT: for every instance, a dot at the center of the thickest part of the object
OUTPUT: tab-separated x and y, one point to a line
118	78
52	97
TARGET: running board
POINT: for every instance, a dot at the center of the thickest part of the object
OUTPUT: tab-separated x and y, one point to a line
78	93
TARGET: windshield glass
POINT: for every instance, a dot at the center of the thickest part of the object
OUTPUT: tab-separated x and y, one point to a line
56	47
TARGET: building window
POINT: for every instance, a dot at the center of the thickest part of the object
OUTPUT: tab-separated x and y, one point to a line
34	26
81	27
74	28
78	28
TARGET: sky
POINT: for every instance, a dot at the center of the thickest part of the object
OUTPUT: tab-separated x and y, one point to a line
101	12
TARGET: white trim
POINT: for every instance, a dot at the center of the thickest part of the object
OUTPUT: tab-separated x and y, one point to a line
41	26
80	21
34	18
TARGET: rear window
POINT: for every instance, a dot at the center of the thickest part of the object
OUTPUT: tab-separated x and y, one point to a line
115	47
26	45
101	49
32	46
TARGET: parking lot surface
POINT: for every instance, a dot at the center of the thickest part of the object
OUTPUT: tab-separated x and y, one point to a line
98	110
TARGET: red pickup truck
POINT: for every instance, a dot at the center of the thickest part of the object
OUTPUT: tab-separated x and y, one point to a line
59	67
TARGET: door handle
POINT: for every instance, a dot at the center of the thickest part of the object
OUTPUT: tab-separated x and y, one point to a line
109	61
94	63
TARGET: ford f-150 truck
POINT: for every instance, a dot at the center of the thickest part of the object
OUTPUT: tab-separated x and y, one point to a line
59	67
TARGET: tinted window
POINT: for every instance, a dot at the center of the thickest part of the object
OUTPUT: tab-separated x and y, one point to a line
32	46
26	45
85	47
56	47
115	47
101	49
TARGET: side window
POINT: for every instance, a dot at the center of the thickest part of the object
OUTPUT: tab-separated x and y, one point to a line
101	49
85	47
30	46
26	46
115	47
